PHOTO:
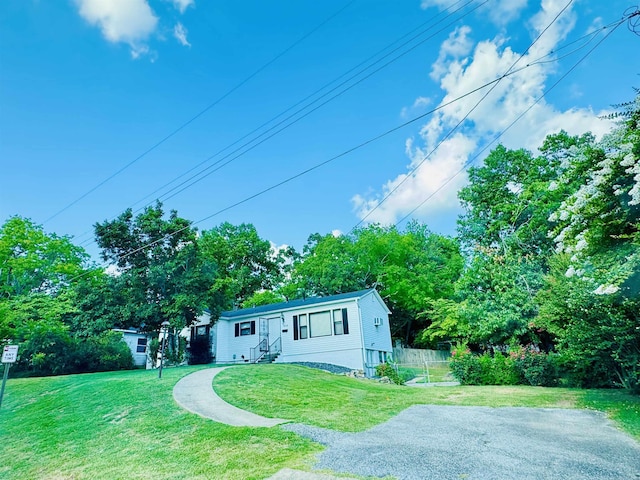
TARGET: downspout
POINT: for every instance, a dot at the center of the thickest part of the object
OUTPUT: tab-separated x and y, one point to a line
363	348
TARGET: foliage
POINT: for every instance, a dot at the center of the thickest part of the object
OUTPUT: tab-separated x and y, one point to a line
387	370
162	273
522	366
266	297
245	263
47	348
199	351
32	261
409	269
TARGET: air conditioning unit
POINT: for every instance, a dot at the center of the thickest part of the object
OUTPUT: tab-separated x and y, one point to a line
377	321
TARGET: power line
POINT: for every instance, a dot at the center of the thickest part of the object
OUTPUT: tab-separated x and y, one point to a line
463	119
202	112
518	118
374	139
291	119
165	195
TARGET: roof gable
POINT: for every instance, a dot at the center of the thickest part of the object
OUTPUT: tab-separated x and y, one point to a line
278	307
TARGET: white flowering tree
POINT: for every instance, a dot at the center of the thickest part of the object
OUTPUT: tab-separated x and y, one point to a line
591	303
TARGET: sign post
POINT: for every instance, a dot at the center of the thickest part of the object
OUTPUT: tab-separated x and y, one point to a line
9	356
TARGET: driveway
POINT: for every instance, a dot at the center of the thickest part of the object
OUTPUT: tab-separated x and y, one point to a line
445	442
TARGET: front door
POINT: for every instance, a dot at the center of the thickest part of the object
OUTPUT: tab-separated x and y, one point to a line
264	334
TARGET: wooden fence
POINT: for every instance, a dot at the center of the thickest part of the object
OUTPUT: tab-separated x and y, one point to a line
418	356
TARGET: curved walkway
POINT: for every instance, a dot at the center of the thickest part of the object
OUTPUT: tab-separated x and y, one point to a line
195	393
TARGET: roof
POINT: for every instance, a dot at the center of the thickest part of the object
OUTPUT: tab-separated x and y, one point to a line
277	307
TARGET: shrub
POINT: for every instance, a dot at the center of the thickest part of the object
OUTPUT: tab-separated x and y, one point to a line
536	368
465	367
200	351
387	370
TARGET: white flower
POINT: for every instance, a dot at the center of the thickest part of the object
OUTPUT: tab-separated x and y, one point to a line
553	186
606	290
570	272
581	245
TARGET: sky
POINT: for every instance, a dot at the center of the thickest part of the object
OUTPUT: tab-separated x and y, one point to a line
298	117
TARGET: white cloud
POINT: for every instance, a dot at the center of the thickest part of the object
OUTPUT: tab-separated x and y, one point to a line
128	21
500	12
182	5
459	69
181	34
336	233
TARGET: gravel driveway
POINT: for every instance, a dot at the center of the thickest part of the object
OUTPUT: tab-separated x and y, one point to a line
446	442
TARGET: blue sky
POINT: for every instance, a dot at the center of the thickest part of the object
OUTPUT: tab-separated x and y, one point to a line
88	86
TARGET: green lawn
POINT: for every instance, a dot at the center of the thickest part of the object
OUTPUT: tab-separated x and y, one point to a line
125	425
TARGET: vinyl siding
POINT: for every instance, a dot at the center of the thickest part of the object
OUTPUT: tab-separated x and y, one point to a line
376	338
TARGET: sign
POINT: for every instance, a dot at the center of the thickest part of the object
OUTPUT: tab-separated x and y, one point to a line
10	354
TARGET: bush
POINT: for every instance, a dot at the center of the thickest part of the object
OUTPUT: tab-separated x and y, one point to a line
536	368
387	370
200	351
465	367
521	366
49	349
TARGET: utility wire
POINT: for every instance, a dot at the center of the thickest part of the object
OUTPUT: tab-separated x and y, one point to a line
310	169
468	163
463	119
291	119
371	140
202	112
165	196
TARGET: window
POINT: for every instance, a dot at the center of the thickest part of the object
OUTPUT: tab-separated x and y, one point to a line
245	328
382	356
340	322
304	327
142	345
320	324
201	331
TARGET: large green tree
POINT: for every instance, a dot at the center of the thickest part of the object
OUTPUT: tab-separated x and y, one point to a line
33	261
245	263
162	274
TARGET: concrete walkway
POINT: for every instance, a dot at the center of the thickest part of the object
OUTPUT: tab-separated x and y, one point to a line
195	393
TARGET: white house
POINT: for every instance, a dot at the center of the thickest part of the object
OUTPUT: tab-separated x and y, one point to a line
349	329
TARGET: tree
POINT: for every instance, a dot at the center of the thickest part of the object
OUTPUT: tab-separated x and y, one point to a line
409	269
245	263
32	261
163	275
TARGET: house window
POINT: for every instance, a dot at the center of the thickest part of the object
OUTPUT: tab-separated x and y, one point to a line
320	324
142	345
245	328
340	322
304	326
201	331
382	356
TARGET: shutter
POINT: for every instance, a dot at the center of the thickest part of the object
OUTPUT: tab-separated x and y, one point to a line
253	327
237	329
295	327
345	322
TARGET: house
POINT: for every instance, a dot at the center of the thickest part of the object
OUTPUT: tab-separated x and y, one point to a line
349	329
138	344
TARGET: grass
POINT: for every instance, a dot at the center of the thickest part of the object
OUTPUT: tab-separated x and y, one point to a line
340	403
126	424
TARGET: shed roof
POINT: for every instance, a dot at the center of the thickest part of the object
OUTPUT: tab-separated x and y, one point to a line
276	307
